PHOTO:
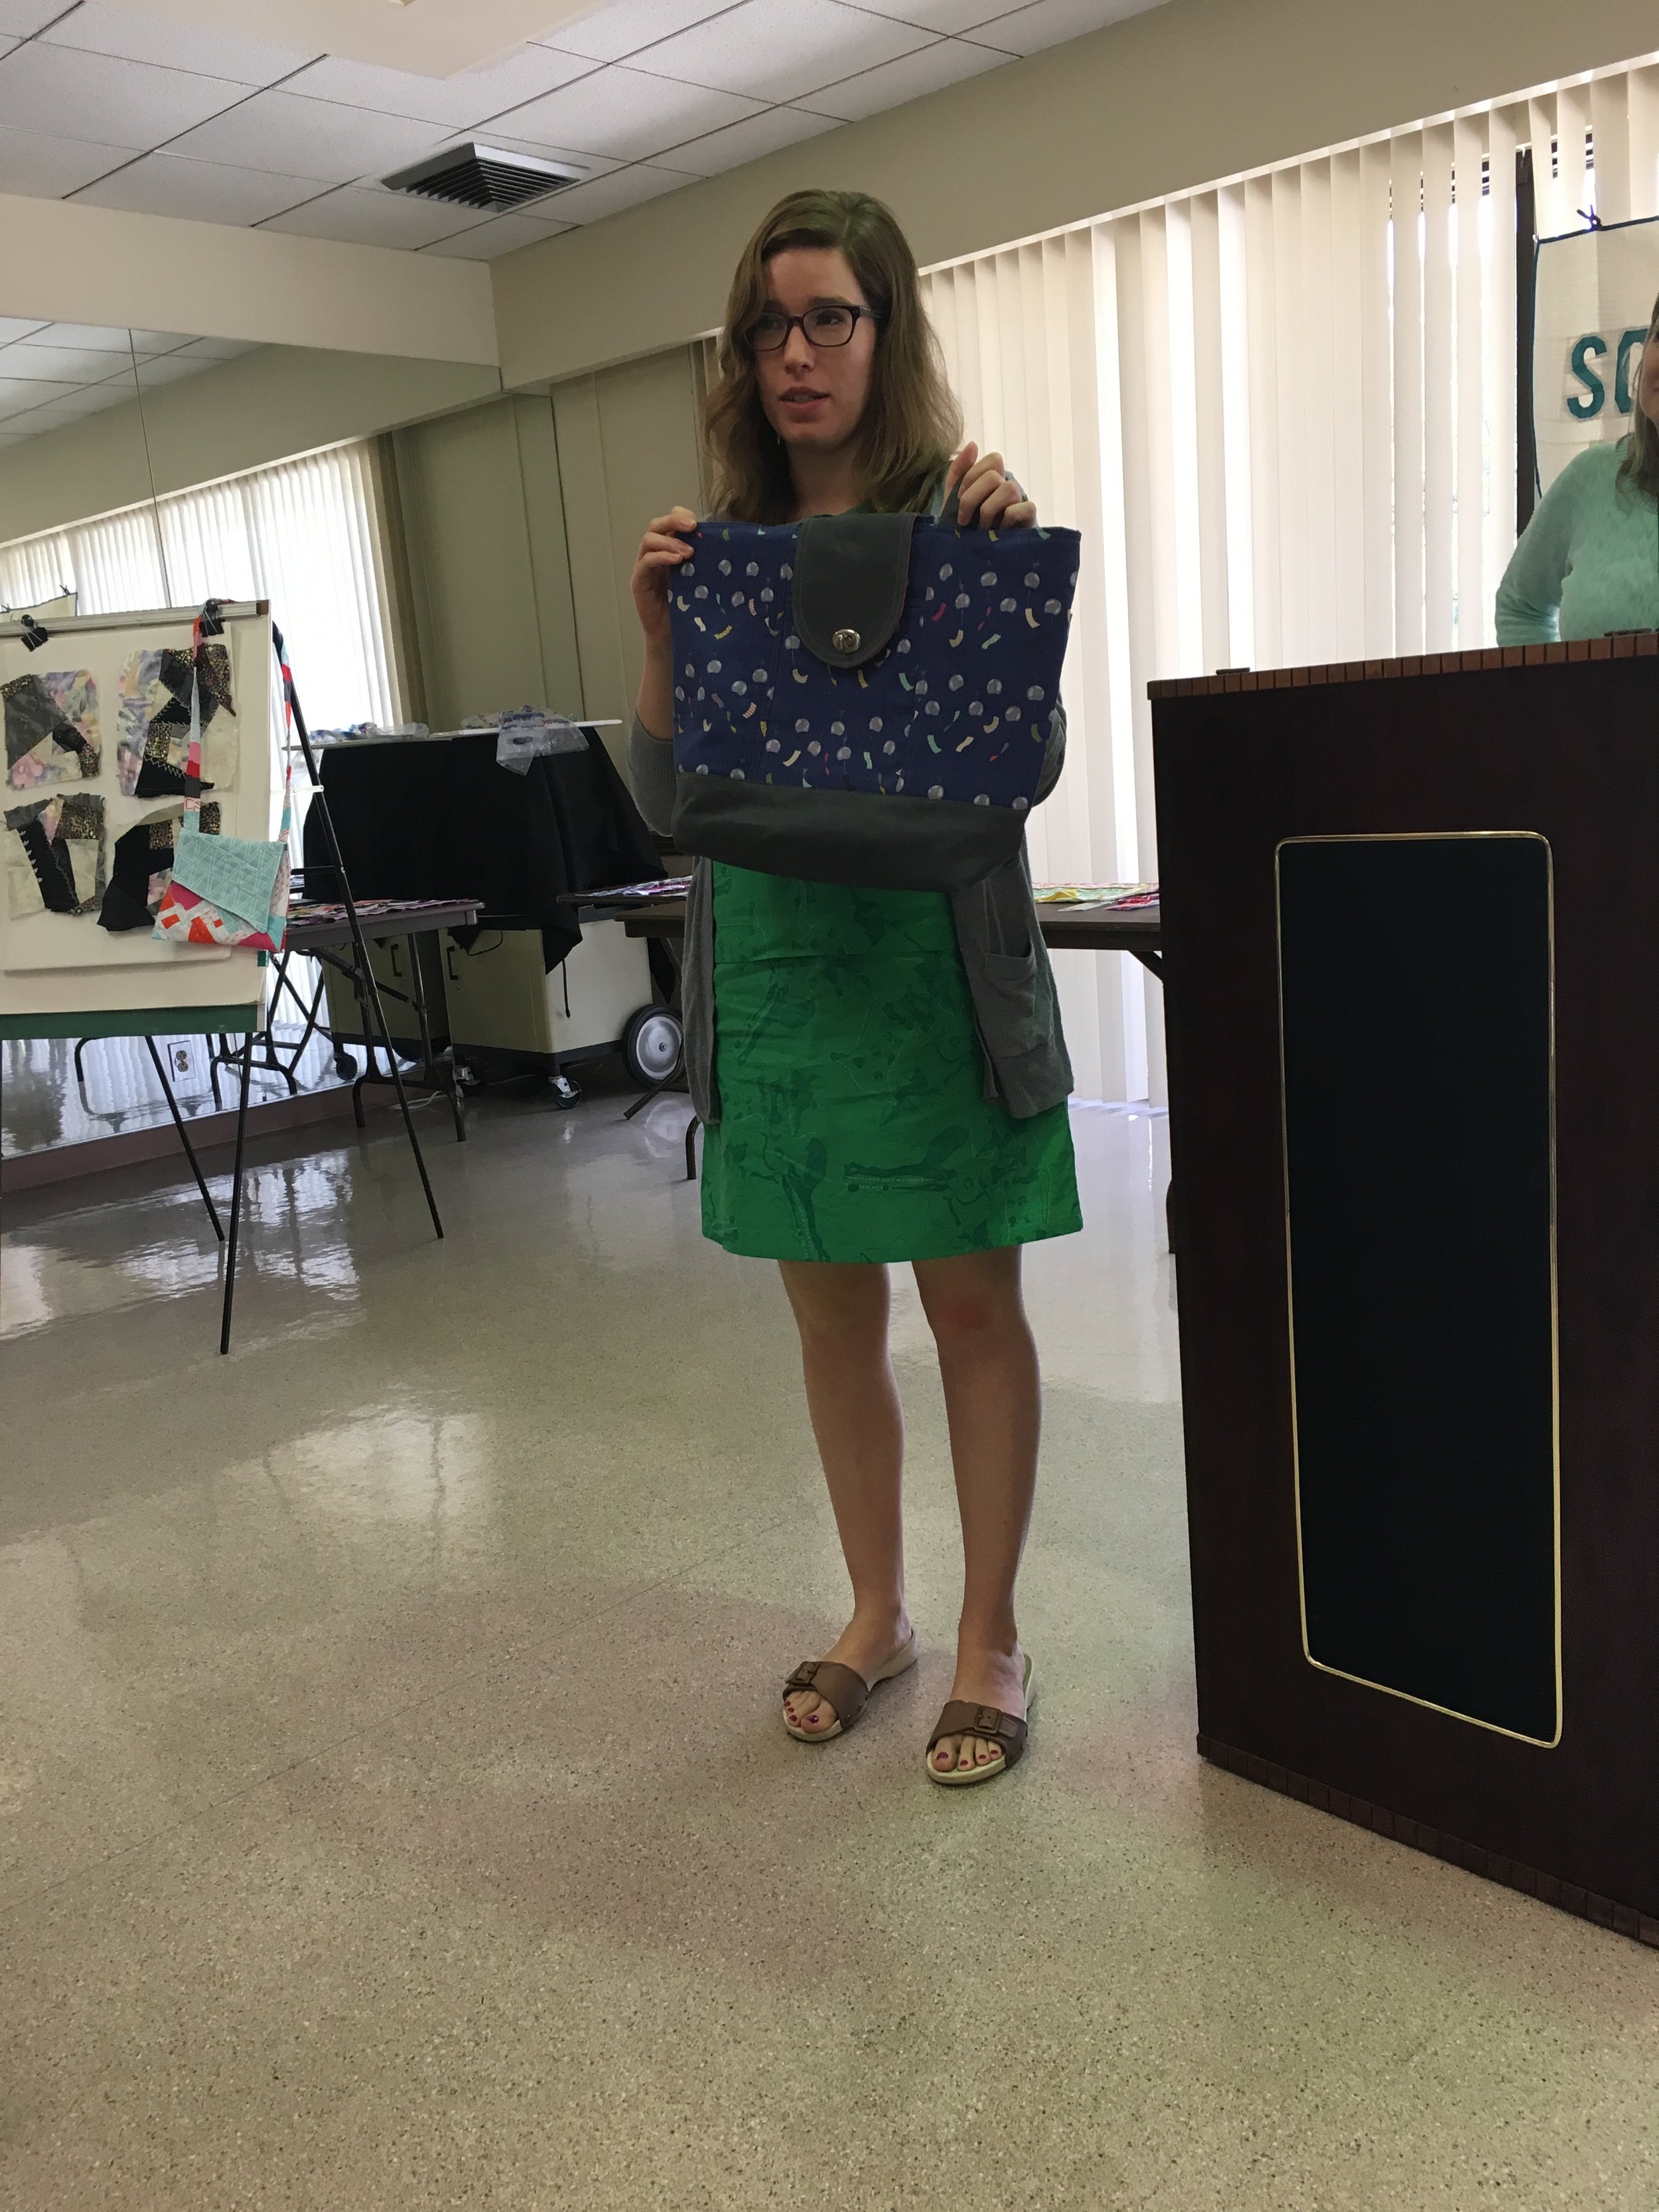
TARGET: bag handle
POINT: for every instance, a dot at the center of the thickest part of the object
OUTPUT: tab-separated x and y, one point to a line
851	572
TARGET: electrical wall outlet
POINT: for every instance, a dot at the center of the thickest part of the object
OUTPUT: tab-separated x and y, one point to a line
180	1055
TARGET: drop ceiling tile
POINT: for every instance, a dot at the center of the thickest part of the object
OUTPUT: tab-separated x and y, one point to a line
625	112
947	15
779	49
25	17
746	142
610	33
15	327
622	188
56	91
907	78
289	136
95	28
503	234
61	364
102	337
357	215
73	407
46	169
457	102
155	342
217	348
18	394
170	370
202	191
1051	22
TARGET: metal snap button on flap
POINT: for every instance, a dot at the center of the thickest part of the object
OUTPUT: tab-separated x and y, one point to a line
846	641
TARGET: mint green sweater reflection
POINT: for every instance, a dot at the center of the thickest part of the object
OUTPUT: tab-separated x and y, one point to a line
1588	560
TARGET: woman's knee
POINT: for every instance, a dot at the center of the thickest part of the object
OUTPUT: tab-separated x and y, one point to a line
839	1309
966	1321
973	1312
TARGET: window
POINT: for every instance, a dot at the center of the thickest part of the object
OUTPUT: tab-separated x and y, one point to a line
306	535
1282	412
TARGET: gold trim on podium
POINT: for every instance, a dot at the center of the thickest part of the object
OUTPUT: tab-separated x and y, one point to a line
1423	838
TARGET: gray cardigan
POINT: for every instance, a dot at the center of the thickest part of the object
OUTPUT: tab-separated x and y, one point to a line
1009	978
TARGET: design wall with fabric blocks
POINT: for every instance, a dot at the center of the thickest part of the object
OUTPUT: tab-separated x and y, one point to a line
97	724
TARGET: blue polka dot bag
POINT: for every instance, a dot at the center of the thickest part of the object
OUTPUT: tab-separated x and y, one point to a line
865	699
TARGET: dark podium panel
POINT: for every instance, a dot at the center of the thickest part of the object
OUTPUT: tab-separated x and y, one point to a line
1411	927
1414	993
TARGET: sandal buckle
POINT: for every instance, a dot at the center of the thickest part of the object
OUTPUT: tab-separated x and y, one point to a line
988	1722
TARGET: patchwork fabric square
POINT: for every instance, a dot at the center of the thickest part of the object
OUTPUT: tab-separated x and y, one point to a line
52	728
54	853
141	866
155	723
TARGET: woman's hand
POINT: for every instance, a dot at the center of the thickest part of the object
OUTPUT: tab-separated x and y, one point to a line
985	494
661	551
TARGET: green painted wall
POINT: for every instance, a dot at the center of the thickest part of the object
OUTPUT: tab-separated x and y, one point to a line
489	575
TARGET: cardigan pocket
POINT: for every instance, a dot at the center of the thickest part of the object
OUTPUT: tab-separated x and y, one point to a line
1012	1018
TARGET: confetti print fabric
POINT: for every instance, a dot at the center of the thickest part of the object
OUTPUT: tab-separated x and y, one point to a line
956	706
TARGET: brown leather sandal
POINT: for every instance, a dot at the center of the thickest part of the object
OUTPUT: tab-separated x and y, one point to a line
842	1689
961	1718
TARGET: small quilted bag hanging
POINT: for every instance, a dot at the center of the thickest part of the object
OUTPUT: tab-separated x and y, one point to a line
224	890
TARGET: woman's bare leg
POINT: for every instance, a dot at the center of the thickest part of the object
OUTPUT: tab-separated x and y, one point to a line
841	1310
988	1363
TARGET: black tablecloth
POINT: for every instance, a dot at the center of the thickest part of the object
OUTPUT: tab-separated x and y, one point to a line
442	821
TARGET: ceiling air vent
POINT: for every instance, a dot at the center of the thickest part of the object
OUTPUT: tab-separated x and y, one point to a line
483	177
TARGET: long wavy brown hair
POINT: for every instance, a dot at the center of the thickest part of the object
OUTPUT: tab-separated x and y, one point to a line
910	426
1640	465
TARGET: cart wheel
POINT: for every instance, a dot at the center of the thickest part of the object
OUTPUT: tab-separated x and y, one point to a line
344	1065
651	1045
565	1093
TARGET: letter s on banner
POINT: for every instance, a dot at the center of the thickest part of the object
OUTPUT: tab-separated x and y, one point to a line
1582	406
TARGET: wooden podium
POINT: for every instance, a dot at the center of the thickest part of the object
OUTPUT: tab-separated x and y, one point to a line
1411	930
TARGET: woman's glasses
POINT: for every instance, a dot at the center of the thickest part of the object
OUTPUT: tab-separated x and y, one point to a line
820	326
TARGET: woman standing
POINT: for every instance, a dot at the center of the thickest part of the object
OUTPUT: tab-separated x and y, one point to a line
881	1074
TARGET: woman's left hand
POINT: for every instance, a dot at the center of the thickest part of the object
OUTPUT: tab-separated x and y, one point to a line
986	494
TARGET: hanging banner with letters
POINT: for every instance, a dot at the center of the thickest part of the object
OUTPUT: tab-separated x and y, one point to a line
1595	291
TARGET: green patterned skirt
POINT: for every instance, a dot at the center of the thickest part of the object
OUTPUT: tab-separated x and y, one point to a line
853	1124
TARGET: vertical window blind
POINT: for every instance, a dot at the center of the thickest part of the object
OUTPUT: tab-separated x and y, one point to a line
307	535
1282	412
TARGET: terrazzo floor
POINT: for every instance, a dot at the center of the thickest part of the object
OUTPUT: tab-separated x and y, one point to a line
394	1814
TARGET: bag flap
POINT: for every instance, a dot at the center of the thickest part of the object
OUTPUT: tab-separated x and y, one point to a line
851	571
